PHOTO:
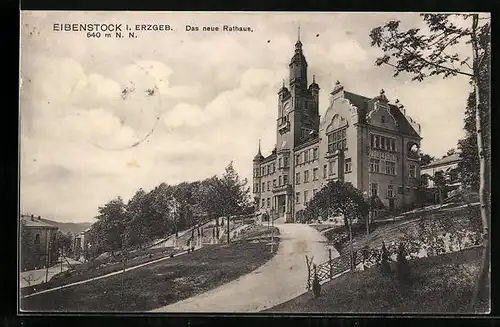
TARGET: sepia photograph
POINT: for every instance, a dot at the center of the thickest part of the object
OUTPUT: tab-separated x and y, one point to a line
254	162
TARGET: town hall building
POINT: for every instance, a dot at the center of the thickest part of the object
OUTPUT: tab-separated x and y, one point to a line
366	141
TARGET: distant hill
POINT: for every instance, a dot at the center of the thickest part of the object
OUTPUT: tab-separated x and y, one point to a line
74	228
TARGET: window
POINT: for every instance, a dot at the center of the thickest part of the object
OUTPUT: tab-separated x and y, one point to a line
268	185
382	142
263	187
297	160
274	183
412	170
390	191
348	165
37	239
280	162
263	203
374	189
285	179
375	165
337	140
382	119
297	197
324	171
268	169
279	180
297	178
256	188
306	176
425	180
285	161
315	174
306	156
274	167
390	167
306	193
331	166
315	153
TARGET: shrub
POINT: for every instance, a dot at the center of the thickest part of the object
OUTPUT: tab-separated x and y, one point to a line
403	267
385	267
316	285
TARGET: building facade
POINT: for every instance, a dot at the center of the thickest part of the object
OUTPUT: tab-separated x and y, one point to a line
81	245
369	142
38	243
445	169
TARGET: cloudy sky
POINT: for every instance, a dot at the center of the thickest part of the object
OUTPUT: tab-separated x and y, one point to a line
193	102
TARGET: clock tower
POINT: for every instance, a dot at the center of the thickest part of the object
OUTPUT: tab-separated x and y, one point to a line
298	107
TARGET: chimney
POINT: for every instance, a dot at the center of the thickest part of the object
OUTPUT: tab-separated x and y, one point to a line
39	218
400	107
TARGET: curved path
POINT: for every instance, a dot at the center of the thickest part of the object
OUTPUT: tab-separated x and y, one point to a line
121	271
279	280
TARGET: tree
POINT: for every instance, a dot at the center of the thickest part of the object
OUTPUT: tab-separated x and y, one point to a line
137	219
450	152
425	55
339	198
425	159
440	184
232	195
65	242
468	166
107	233
206	201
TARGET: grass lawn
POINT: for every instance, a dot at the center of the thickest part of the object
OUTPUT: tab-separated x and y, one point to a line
440	284
388	231
158	284
99	268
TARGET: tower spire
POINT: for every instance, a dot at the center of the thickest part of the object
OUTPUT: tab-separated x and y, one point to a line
259	146
298	32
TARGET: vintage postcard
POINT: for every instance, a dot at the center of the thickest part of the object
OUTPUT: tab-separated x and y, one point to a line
276	162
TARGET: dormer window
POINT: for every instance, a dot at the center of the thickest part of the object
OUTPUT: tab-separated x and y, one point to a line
382	119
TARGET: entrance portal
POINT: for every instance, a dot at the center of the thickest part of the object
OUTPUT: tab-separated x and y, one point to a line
281	205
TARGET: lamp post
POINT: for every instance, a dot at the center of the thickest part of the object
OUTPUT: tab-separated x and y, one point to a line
368	199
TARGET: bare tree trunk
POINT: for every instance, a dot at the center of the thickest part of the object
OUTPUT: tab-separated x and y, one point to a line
483	175
351	249
227	223
217	228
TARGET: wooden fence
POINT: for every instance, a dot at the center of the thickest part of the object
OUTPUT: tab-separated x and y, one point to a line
368	257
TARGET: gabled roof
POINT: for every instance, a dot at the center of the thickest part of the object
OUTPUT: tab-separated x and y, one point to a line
365	104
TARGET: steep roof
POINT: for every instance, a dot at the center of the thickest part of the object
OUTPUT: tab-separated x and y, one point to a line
364	104
444	161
